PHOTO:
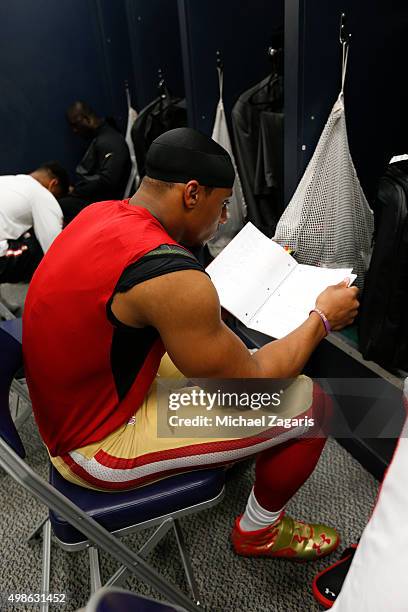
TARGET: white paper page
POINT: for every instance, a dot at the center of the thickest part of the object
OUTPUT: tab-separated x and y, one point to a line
248	270
289	307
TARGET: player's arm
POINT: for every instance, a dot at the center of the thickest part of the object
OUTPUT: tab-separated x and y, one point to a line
184	307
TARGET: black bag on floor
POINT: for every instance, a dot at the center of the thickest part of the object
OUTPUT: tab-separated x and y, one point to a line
21	260
383	327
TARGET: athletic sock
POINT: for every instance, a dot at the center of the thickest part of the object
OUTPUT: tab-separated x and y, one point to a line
255	517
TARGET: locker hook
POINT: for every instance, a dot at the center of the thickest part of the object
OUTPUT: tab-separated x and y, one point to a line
162	85
220	63
344	36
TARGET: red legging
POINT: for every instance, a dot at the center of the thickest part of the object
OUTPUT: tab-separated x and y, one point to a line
281	470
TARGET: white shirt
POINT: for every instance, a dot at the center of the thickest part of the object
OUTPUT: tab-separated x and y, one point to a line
26	204
377	578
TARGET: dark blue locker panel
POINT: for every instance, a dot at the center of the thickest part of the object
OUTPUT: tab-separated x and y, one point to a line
376	93
242	32
51	54
115	52
155	43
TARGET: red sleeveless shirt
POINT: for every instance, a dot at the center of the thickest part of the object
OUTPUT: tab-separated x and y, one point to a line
67	335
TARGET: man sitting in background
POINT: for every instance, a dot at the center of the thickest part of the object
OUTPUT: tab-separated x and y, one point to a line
104	170
30	219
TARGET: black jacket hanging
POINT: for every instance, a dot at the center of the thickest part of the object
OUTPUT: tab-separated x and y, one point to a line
156	118
383	325
257	122
268	186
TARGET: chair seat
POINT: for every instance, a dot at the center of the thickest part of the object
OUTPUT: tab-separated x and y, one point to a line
119	510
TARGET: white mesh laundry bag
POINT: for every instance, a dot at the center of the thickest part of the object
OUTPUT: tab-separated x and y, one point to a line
328	221
237	206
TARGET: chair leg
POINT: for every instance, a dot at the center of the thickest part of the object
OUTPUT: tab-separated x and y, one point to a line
36	532
20	389
19	386
185	557
5	313
123	573
45	588
94	569
22	415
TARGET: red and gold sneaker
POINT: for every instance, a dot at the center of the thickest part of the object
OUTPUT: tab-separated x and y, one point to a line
286	538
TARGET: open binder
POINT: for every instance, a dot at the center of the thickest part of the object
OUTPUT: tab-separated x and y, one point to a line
262	285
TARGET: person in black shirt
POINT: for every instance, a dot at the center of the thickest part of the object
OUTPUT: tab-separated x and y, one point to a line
104	170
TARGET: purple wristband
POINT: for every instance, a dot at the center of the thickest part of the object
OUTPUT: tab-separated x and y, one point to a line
324	319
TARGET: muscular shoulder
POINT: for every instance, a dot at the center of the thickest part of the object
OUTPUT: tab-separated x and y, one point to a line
184	308
179	298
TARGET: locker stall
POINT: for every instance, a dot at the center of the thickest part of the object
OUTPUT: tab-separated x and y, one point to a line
154	36
66	51
242	33
375	97
375	93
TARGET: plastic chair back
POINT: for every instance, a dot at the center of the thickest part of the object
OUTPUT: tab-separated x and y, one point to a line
11	360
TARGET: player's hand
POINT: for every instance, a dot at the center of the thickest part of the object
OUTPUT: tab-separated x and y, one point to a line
340	304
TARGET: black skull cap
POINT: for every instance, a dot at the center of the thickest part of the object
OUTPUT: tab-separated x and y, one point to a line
184	154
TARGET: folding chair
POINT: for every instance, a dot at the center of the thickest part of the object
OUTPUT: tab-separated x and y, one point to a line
118	600
81	518
12	297
21	409
5	313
